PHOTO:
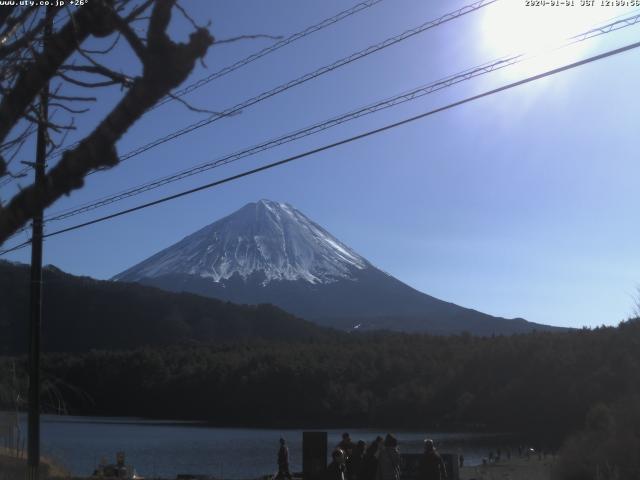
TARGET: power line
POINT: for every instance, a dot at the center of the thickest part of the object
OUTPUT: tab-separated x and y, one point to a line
608	27
9	178
305	78
296	135
309	76
407	96
402	98
16	247
354	138
318	127
270	49
239	64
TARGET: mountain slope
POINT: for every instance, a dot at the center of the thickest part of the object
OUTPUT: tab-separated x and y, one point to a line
267	237
271	252
80	314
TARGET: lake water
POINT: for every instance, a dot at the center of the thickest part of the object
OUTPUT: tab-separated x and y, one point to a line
165	449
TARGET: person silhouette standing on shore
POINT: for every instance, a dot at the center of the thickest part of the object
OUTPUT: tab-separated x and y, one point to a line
370	460
347	446
389	460
337	468
283	461
357	460
432	466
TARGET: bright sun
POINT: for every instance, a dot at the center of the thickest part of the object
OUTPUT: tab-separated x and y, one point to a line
509	26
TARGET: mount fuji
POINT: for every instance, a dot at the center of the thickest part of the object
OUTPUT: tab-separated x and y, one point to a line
269	252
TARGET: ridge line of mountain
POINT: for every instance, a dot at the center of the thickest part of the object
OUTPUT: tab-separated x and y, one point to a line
269	252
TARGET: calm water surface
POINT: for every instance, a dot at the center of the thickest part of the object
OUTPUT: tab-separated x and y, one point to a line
165	449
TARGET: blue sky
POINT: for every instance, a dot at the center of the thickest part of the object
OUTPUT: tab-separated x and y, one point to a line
519	204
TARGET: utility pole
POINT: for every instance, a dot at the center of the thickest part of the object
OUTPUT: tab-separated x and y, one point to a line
33	446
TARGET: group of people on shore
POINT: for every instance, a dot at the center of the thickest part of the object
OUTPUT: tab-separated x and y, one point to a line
380	460
523	452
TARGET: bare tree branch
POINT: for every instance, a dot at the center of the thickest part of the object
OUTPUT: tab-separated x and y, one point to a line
132	38
60	46
73	99
15	175
53	126
56	145
27	38
248	37
105	50
82	83
5	13
186	15
99	70
138	11
14	23
68	109
166	65
28	130
196	109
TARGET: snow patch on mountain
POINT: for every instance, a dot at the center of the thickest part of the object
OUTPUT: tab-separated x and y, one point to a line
266	238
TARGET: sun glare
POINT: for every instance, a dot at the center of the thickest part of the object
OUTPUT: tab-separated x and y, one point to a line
510	26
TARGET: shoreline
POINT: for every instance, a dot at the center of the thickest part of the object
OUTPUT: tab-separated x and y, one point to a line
518	468
515	469
473	428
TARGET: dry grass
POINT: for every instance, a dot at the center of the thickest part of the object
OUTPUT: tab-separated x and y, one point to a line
14	468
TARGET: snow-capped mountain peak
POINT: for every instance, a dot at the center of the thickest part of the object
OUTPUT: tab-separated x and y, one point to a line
270	239
269	252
